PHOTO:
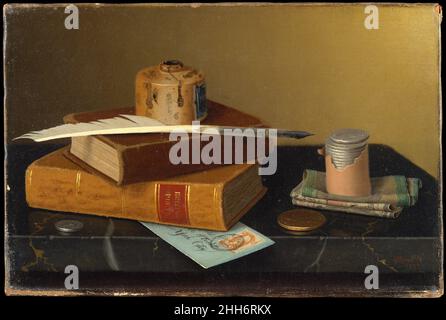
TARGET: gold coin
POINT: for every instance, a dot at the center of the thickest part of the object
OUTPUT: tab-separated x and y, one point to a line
301	220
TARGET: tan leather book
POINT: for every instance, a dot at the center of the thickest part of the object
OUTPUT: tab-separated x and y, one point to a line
130	158
213	199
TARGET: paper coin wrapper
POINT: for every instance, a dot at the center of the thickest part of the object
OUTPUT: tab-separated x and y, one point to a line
347	163
346	185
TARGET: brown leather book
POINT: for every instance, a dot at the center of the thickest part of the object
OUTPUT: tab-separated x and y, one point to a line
213	199
130	158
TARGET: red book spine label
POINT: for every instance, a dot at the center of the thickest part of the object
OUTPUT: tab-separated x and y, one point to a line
172	203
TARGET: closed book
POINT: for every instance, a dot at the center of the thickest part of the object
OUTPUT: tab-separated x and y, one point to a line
213	199
130	158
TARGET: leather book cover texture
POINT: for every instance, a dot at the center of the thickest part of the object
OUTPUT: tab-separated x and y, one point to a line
213	199
144	157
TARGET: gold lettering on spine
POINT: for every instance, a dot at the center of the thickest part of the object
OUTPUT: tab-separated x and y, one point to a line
78	182
157	187
187	200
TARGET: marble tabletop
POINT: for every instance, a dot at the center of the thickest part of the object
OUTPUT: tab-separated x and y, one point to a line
116	256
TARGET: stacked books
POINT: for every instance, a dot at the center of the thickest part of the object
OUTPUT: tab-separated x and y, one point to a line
131	177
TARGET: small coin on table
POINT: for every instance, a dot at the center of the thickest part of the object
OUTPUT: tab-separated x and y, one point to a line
301	220
68	226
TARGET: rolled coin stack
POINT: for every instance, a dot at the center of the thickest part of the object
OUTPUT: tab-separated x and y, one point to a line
345	145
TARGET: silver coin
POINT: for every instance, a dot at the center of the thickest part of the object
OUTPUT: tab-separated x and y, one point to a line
345	157
344	154
346	145
346	148
68	226
349	136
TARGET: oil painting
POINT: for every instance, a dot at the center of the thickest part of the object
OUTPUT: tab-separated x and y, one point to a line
215	150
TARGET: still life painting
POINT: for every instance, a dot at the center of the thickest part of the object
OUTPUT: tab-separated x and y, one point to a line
264	150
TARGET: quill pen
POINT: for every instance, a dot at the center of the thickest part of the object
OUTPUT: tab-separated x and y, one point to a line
127	124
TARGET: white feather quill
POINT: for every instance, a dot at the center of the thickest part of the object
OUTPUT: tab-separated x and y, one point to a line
126	124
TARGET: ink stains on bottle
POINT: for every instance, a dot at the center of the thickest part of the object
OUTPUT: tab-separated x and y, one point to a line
148	88
171	92
155	95
180	101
